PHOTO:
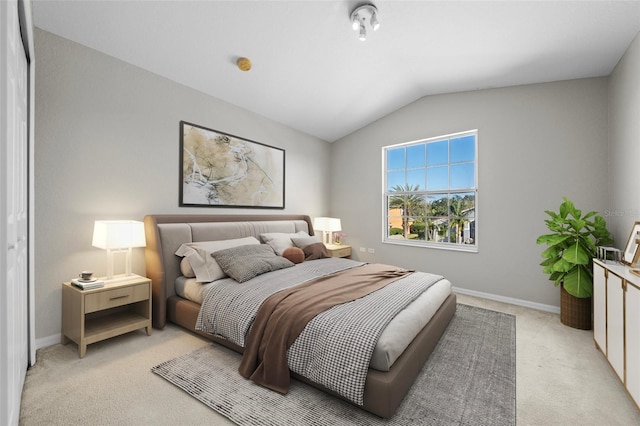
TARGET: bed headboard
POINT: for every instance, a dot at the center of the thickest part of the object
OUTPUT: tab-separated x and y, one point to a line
166	232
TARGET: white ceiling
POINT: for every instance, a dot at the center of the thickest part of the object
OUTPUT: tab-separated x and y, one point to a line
310	71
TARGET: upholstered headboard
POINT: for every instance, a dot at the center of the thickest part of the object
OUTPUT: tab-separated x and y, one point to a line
165	234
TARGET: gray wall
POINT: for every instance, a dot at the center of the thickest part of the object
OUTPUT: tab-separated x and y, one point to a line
536	143
107	146
624	144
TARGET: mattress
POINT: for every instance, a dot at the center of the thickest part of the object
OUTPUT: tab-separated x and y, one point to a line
394	339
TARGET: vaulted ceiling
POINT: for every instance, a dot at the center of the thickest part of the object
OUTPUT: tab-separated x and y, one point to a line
312	73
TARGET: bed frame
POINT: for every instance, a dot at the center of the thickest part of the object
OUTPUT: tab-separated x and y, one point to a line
384	391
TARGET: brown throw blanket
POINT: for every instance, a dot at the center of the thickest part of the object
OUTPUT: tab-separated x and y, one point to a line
283	316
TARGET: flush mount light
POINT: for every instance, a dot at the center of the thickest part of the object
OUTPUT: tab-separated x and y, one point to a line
362	15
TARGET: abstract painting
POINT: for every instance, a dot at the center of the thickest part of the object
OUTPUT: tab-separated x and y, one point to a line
222	170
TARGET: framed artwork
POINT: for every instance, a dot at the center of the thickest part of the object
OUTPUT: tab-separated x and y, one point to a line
631	252
222	170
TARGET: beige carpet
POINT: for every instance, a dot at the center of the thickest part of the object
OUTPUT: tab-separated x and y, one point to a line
560	379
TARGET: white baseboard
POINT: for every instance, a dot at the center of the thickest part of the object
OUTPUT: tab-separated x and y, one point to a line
518	302
48	341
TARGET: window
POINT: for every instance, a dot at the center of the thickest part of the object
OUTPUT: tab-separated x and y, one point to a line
431	192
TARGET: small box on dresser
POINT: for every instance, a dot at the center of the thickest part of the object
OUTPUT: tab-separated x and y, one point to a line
616	321
90	316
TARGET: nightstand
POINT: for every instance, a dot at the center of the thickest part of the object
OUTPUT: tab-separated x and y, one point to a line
90	316
339	250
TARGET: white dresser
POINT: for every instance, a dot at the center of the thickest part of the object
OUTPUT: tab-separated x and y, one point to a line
616	321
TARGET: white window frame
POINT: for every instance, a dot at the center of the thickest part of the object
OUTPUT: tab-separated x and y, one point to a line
423	243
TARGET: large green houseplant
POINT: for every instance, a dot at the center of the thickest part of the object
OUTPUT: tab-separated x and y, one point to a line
571	247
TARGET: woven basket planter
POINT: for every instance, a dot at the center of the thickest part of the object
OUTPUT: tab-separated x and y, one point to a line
575	312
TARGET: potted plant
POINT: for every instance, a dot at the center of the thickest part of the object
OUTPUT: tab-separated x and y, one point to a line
568	259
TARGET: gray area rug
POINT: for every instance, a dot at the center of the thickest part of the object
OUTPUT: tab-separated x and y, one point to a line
469	379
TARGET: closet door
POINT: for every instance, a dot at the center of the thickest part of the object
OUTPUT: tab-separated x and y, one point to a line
14	314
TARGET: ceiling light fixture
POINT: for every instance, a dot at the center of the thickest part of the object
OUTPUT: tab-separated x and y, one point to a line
359	18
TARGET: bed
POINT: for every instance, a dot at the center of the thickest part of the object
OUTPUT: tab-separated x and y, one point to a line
165	234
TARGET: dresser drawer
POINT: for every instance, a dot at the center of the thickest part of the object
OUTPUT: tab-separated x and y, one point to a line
117	297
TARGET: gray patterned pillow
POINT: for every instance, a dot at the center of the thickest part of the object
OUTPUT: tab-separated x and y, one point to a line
245	262
198	259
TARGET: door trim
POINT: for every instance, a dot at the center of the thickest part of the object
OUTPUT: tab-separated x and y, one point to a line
26	29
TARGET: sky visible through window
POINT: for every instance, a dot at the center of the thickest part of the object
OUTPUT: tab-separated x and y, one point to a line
434	166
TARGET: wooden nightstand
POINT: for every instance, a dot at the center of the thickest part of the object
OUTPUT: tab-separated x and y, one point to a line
339	250
90	316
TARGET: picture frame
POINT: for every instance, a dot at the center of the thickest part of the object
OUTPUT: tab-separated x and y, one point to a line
631	253
218	169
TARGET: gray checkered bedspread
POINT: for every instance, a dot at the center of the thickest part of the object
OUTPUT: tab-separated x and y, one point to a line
335	348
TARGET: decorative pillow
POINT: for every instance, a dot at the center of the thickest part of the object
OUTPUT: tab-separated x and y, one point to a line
293	254
245	262
302	242
315	251
280	240
205	268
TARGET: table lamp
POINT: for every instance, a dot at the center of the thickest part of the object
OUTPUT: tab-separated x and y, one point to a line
118	236
327	225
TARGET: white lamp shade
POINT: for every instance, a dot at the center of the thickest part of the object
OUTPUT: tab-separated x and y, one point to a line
118	234
327	224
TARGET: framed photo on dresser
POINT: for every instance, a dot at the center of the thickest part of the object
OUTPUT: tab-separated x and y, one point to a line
631	253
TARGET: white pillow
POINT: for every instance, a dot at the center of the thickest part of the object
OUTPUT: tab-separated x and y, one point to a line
205	268
279	241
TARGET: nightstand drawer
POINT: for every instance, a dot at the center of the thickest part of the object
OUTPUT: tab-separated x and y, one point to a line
117	297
